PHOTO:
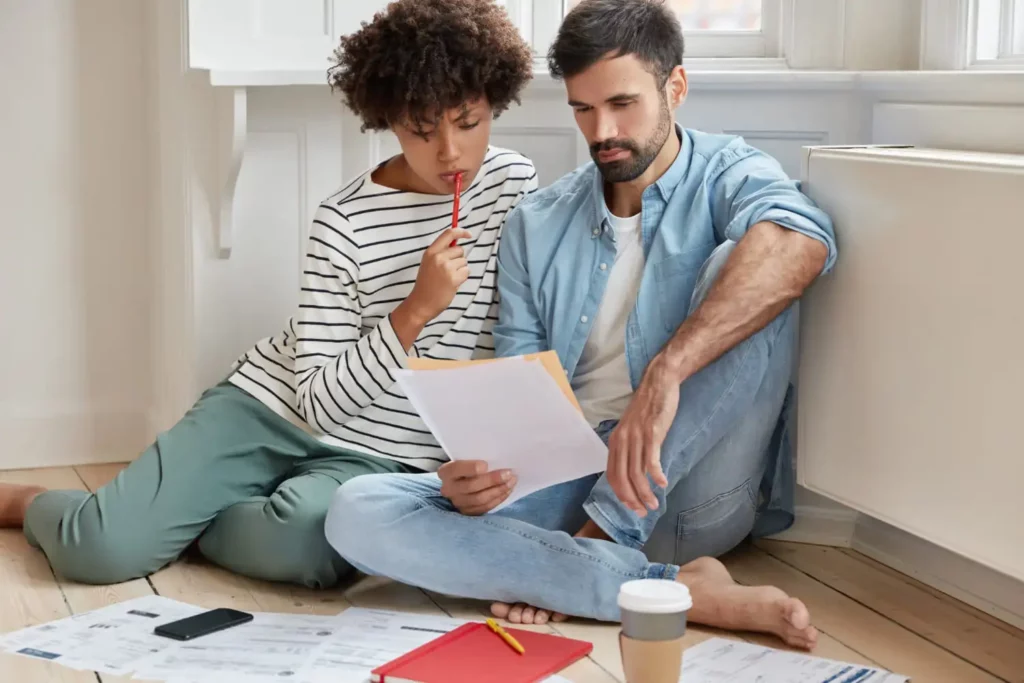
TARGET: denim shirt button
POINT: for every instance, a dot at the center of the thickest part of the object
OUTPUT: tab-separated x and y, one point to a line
584	319
604	266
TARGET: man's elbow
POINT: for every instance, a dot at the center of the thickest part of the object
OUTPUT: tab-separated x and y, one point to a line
814	252
805	257
809	257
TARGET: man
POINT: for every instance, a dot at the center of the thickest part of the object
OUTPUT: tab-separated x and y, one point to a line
249	472
665	275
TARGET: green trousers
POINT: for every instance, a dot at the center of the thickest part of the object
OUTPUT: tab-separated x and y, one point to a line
250	486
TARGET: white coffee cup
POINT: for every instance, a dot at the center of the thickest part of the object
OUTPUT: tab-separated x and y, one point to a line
653	626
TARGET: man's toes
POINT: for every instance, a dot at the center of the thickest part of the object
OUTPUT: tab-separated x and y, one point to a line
528	614
558	616
500	609
515	615
541	616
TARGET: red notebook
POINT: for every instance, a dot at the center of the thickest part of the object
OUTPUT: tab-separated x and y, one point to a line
473	653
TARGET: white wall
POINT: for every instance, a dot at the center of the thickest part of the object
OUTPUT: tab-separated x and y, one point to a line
74	267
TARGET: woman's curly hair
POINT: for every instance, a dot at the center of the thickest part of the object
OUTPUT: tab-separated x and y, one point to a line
419	58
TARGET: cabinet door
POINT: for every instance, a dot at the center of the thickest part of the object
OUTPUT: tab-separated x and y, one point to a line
270	35
910	364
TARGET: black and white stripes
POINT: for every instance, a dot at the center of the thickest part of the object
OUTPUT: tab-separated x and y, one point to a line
330	371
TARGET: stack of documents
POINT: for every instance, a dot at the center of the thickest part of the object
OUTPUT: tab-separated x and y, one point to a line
301	648
720	661
510	413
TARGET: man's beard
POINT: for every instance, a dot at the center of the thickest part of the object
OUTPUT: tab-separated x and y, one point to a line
641	156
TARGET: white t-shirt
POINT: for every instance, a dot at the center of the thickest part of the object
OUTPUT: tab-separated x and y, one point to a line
601	382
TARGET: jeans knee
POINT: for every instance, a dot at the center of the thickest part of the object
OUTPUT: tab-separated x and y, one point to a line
358	518
715	527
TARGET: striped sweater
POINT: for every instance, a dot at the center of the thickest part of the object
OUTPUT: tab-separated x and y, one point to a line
330	370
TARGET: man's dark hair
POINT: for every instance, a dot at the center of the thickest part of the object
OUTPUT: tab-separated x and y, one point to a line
595	29
419	58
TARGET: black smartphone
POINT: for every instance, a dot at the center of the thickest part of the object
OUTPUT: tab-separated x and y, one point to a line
202	624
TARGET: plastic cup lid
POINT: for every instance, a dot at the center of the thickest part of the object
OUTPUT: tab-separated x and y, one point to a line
654	596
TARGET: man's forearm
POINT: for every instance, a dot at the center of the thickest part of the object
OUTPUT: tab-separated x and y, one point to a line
769	268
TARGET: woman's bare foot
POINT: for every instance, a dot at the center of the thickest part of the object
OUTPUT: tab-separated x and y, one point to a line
521	613
14	501
719	601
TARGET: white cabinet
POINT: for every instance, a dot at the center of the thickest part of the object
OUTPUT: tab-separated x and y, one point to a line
911	369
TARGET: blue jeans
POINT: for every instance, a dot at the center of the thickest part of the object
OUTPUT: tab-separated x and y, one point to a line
714	458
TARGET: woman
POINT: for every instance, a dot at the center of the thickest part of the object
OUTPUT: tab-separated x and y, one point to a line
250	470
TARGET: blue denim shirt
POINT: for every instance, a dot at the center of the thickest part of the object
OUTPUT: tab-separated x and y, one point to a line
554	243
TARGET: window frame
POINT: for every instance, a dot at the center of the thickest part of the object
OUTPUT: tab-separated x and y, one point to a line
1008	30
539	21
950	36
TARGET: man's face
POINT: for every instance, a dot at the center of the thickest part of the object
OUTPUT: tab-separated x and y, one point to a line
624	114
455	143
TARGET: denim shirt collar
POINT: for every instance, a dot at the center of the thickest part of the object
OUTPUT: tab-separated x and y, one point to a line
665	185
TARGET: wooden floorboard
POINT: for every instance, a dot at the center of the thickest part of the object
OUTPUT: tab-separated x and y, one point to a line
29	592
934	618
867	612
962	606
856	626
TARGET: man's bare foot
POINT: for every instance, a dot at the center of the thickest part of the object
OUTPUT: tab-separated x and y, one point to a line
14	501
719	601
521	613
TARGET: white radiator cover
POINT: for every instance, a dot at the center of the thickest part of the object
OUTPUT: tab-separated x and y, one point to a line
912	361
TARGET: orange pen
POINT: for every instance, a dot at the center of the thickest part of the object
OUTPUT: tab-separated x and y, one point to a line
455	208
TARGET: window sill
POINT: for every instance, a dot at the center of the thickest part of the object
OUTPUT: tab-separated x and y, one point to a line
996	85
284	77
1004	64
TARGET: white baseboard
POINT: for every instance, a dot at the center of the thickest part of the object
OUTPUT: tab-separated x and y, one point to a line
977	585
819	525
77	438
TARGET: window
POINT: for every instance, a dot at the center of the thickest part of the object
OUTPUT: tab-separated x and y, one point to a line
713	15
998	32
726	28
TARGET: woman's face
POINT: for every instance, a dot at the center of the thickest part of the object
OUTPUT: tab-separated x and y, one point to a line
456	142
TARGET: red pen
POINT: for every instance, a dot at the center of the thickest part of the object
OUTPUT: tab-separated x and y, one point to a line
455	208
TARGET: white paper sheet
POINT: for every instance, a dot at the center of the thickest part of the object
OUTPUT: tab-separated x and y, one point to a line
108	640
719	660
270	647
299	648
510	414
366	639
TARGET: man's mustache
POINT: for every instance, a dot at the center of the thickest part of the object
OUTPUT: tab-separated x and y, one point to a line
609	145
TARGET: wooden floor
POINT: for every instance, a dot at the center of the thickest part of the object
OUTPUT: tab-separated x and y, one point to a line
866	612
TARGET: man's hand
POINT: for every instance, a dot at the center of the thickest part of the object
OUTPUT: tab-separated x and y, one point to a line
471	488
634	449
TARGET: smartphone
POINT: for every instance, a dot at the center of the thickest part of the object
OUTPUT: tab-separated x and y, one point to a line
202	624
